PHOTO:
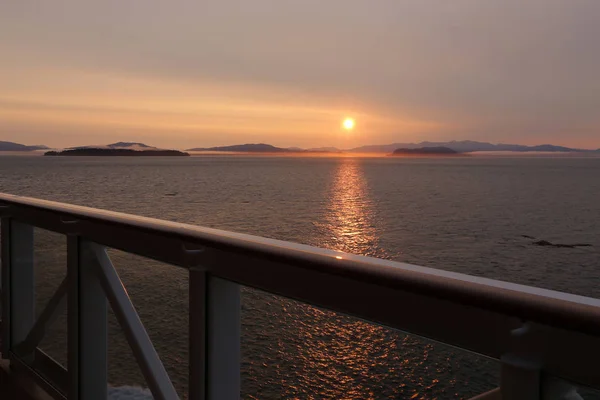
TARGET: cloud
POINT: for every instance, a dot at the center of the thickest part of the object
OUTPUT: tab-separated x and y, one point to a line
492	70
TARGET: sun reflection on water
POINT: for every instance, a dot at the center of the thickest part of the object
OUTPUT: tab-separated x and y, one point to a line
324	355
349	215
344	357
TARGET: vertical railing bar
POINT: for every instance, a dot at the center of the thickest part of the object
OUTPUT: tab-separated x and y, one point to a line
223	339
6	289
93	366
152	368
73	250
22	284
197	334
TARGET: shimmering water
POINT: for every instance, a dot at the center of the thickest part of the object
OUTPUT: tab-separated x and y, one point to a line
465	215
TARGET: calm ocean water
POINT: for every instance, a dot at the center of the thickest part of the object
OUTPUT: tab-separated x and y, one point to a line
466	215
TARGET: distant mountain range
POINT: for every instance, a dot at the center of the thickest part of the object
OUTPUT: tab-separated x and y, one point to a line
11	146
462	146
466	146
247	148
263	148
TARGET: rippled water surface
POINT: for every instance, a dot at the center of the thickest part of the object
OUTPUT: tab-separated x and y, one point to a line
466	215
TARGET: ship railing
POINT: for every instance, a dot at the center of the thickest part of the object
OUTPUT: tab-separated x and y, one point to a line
535	334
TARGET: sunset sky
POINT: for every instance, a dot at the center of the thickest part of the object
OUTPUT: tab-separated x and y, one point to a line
202	73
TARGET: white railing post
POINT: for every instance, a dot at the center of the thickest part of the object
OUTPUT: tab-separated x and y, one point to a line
87	323
215	332
223	340
18	285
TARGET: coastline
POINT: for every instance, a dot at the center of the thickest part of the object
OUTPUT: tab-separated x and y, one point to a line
479	154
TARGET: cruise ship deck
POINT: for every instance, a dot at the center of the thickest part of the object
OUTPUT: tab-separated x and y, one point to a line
547	343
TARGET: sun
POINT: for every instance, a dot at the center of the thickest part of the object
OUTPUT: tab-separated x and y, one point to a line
348	124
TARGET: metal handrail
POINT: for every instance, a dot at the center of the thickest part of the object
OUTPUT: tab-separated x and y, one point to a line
559	331
525	302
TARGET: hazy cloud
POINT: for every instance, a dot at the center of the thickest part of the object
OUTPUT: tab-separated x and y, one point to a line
492	70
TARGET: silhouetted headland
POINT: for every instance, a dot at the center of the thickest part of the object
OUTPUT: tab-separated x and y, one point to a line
117	152
427	151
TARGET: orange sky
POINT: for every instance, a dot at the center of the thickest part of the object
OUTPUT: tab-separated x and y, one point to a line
85	104
193	74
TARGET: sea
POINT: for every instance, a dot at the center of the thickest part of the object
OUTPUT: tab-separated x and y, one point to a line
476	215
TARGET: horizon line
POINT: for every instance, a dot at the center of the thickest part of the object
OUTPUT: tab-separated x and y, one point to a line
321	147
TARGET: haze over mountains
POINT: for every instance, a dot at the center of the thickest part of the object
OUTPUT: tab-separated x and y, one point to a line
466	146
463	146
248	148
11	146
118	145
264	148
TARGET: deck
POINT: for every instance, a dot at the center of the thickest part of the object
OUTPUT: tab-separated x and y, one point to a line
536	335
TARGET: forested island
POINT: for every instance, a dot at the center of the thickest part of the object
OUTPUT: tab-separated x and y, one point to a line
117	152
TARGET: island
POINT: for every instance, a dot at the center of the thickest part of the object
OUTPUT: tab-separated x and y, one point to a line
117	152
264	149
427	151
